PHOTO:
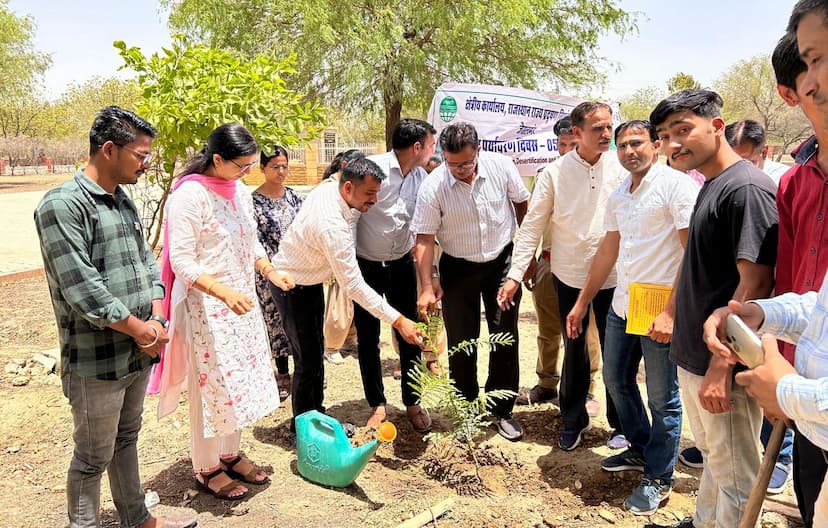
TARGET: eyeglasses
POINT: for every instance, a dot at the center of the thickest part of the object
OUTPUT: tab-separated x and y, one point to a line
144	157
279	167
463	167
245	167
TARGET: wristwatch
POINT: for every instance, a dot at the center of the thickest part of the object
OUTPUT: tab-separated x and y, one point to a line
161	319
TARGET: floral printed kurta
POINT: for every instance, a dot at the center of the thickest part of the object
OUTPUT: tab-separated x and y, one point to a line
273	216
230	353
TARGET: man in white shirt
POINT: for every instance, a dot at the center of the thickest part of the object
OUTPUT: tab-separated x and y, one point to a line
383	247
470	204
646	220
748	139
538	279
572	193
318	245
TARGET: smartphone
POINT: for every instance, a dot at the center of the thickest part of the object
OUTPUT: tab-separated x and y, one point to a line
744	342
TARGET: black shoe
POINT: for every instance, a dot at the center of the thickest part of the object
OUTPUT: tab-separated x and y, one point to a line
509	428
536	394
691	457
569	439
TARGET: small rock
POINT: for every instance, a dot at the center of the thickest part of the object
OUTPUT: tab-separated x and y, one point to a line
52	353
607	516
550	522
151	498
48	363
190	493
20	381
19	362
13	449
11	368
578	485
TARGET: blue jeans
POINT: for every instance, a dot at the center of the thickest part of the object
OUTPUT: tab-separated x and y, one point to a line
622	354
786	451
107	419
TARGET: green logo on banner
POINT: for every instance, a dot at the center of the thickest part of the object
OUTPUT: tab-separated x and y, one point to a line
448	109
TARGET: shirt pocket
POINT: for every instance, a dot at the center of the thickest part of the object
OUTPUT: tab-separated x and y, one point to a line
494	211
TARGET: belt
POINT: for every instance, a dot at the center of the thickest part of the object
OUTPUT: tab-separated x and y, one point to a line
385	263
545	255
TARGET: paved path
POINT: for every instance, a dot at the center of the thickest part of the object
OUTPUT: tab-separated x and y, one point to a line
19	247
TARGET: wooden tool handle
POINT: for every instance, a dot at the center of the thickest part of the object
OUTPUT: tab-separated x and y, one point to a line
760	485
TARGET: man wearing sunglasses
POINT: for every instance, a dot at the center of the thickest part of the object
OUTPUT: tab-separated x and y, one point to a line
470	204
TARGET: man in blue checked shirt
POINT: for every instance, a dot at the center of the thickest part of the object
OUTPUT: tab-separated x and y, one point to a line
107	294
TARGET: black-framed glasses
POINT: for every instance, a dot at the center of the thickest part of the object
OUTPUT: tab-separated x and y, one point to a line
144	157
245	167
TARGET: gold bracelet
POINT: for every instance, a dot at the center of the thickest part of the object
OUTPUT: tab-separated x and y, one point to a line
210	287
265	273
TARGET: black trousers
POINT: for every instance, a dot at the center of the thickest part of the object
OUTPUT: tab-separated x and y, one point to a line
809	467
303	313
464	283
397	280
575	369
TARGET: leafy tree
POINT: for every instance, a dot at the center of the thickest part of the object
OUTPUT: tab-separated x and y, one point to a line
20	63
682	81
749	92
189	90
75	109
393	53
641	103
23	114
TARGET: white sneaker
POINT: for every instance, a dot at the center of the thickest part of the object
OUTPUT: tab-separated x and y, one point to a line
334	357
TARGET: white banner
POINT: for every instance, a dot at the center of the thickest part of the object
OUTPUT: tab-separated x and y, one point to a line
511	121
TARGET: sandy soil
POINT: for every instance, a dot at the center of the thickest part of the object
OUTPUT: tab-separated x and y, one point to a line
528	483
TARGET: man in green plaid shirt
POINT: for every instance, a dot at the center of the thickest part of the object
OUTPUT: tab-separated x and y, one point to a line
107	295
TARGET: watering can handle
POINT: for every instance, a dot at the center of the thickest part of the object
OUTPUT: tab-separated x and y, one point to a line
325	424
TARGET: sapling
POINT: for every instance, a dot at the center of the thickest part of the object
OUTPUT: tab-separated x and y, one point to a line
436	390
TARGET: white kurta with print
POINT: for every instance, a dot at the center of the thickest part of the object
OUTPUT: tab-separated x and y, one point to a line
231	354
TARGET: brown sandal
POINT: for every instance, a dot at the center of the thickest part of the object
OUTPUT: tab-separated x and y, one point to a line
223	492
229	467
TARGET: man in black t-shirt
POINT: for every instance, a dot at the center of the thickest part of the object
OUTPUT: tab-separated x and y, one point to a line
730	254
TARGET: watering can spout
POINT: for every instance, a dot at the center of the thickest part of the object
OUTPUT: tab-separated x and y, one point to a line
324	454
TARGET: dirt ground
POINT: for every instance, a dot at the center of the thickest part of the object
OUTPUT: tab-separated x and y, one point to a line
529	483
31	182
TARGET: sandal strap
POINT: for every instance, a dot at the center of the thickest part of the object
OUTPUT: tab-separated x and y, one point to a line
230	486
250	475
207	477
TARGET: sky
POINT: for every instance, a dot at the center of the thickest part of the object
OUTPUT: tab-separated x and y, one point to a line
703	40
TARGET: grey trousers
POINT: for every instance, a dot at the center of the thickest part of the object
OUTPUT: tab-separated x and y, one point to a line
107	419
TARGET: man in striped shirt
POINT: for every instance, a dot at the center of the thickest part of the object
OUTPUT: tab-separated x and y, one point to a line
383	247
318	245
470	204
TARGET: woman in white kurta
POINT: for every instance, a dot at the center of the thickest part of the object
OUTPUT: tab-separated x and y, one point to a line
214	253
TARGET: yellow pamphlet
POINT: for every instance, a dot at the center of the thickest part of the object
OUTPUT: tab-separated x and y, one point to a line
646	302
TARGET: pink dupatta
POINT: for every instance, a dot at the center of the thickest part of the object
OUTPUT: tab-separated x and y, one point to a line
170	374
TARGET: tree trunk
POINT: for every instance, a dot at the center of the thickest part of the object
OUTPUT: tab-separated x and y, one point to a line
393	111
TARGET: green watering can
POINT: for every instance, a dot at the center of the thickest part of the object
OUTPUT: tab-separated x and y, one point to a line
325	454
